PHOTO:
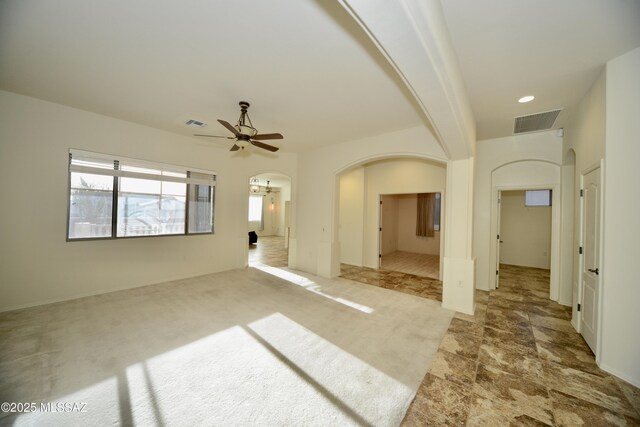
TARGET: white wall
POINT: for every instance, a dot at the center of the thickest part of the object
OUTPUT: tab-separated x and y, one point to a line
621	290
390	225
351	226
316	240
492	155
407	239
585	136
37	265
524	231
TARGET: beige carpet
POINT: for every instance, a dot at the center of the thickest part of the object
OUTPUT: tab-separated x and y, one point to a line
242	347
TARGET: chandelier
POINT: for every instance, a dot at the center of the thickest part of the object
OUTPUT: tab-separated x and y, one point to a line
254	185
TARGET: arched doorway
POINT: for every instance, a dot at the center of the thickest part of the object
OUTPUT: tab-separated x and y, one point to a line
269	219
367	195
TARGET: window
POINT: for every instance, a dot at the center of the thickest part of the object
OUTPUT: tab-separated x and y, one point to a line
428	214
255	208
114	197
537	198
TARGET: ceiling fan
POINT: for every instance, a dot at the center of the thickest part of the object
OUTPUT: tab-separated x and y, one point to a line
245	133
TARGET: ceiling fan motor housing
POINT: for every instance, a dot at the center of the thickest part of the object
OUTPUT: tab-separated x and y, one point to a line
245	130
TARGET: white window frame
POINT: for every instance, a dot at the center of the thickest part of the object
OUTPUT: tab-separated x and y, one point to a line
81	161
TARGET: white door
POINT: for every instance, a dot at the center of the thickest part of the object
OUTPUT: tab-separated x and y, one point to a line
498	241
380	234
591	256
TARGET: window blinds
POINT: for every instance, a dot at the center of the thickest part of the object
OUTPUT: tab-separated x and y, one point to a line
102	164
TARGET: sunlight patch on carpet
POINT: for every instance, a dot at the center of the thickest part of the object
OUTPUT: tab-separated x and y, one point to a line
310	285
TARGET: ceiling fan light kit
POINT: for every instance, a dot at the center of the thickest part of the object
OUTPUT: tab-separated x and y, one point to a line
246	134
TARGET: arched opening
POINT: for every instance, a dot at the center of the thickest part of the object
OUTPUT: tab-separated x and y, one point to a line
269	219
527	175
376	217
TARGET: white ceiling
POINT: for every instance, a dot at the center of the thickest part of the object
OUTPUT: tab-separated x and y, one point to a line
552	49
305	66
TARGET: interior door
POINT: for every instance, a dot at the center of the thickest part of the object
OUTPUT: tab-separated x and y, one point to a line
380	235
498	241
591	198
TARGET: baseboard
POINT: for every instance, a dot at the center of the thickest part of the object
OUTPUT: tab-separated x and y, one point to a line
633	381
94	293
70	298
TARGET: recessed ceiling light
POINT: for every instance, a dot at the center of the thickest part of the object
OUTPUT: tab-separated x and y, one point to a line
527	98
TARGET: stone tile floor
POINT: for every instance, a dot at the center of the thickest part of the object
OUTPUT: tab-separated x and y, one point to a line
516	361
269	250
425	287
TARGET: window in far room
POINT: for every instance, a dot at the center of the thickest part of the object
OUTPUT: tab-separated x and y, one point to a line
255	208
537	198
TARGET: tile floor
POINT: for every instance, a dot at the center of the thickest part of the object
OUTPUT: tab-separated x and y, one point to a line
402	282
516	361
412	263
269	250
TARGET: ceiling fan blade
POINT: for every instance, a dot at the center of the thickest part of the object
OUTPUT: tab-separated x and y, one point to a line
265	146
268	136
235	148
216	136
228	126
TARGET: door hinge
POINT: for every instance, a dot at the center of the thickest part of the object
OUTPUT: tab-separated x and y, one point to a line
580	250
379	255
497	272
581	193
578	307
380	201
380	228
498	237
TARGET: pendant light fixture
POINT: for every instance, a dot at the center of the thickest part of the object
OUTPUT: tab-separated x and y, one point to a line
254	185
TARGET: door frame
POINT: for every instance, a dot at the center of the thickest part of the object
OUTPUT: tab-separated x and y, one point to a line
498	238
441	231
380	196
584	172
554	255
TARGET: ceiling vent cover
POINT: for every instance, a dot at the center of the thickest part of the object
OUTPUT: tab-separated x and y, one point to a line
535	122
195	123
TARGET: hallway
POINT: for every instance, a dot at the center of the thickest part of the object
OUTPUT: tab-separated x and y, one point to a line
519	361
516	360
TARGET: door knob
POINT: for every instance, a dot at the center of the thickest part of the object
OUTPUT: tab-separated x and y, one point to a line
594	270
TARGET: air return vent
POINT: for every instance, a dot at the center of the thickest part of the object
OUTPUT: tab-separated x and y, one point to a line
195	123
535	122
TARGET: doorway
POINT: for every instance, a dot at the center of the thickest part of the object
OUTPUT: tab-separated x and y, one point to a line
524	229
403	247
269	201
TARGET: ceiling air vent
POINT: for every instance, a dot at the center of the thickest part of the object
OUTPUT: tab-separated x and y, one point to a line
535	122
195	123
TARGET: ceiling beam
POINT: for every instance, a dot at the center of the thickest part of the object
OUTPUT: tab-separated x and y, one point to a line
414	38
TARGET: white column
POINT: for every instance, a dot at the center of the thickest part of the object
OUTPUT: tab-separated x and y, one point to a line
458	290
